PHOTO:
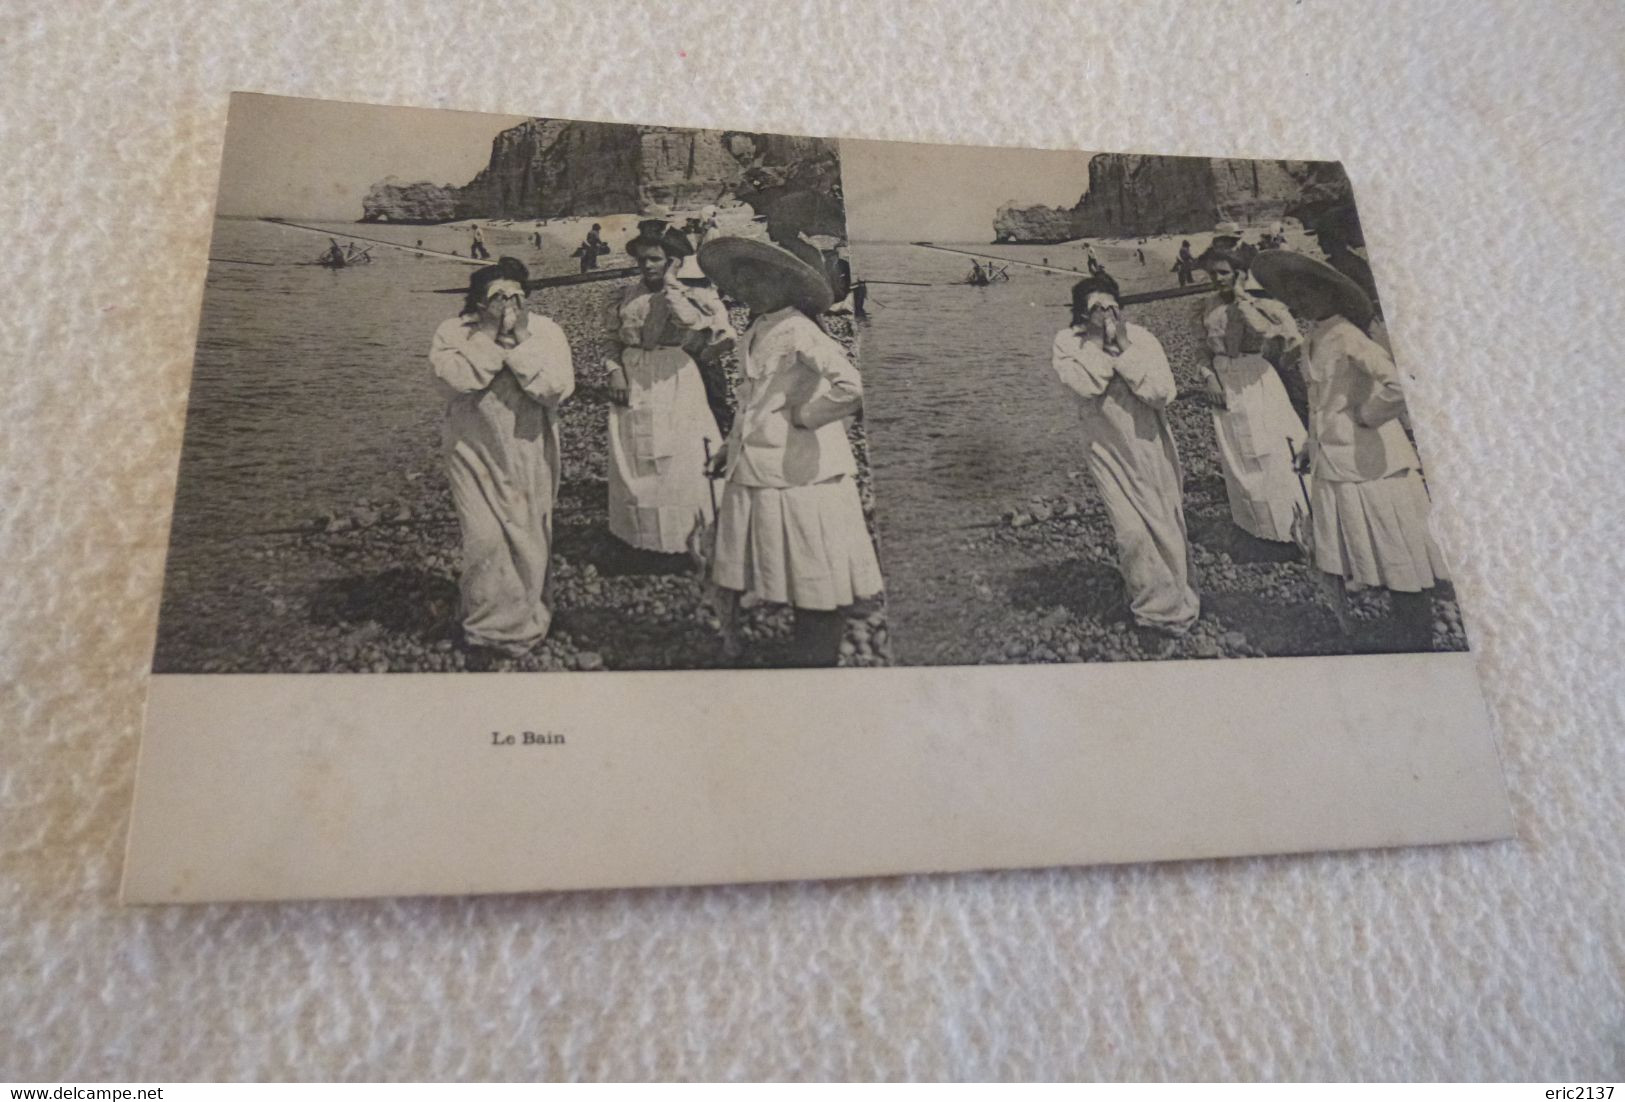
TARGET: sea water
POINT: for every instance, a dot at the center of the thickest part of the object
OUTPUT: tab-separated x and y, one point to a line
311	387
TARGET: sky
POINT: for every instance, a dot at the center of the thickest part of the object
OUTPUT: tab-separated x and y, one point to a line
308	158
901	191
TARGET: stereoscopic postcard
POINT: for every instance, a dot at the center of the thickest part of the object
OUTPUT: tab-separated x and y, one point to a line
573	504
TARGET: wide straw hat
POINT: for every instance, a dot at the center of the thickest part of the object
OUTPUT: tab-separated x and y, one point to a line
1279	270
733	261
1227	229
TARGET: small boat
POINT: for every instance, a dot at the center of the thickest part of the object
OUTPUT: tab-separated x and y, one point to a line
984	276
348	257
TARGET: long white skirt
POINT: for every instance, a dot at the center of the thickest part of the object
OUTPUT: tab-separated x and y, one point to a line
805	546
1253	434
1376	533
658	489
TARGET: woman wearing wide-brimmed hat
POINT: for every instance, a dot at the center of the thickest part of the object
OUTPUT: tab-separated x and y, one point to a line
1370	505
660	424
505	371
1121	378
790	527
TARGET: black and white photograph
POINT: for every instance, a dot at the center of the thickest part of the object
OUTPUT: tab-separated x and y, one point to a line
867	470
493	393
1130	407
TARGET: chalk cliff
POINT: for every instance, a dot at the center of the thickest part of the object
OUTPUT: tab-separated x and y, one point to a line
1131	195
551	168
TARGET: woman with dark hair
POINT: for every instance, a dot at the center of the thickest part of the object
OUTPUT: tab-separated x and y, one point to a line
790	527
504	371
660	422
1257	430
1120	376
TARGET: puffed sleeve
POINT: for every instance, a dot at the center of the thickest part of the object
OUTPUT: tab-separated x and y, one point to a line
612	329
845	395
542	363
1386	401
715	310
1144	367
1078	371
1281	321
687	313
1215	326
1284	343
463	358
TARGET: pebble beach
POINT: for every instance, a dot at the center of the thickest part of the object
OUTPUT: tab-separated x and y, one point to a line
371	586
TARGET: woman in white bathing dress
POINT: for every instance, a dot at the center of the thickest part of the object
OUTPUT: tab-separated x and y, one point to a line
1258	432
790	527
1370	525
1121	379
660	425
504	372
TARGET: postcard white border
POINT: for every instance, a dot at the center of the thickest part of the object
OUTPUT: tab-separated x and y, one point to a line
343	785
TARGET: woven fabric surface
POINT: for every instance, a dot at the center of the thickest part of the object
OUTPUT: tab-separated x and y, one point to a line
1484	143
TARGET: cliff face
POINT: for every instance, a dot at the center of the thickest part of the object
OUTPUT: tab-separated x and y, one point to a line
552	168
1033	225
1131	195
392	201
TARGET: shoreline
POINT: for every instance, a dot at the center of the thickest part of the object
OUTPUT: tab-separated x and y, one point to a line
1040	583
372	587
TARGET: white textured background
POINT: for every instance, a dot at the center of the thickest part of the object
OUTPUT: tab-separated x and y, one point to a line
1487	146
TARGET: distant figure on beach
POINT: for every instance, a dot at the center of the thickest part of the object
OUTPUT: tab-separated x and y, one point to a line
335	254
536	238
504	371
1226	236
1370	506
1258	432
1184	264
660	422
1091	261
1121	379
1141	254
790	528
977	276
477	248
592	248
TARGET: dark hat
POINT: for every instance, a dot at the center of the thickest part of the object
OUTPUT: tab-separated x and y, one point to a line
732	261
662	235
1279	270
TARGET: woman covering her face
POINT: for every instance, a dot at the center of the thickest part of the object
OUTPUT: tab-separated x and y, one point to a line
504	371
660	424
1121	380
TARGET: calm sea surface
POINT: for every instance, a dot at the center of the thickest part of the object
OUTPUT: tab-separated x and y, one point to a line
311	387
964	417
